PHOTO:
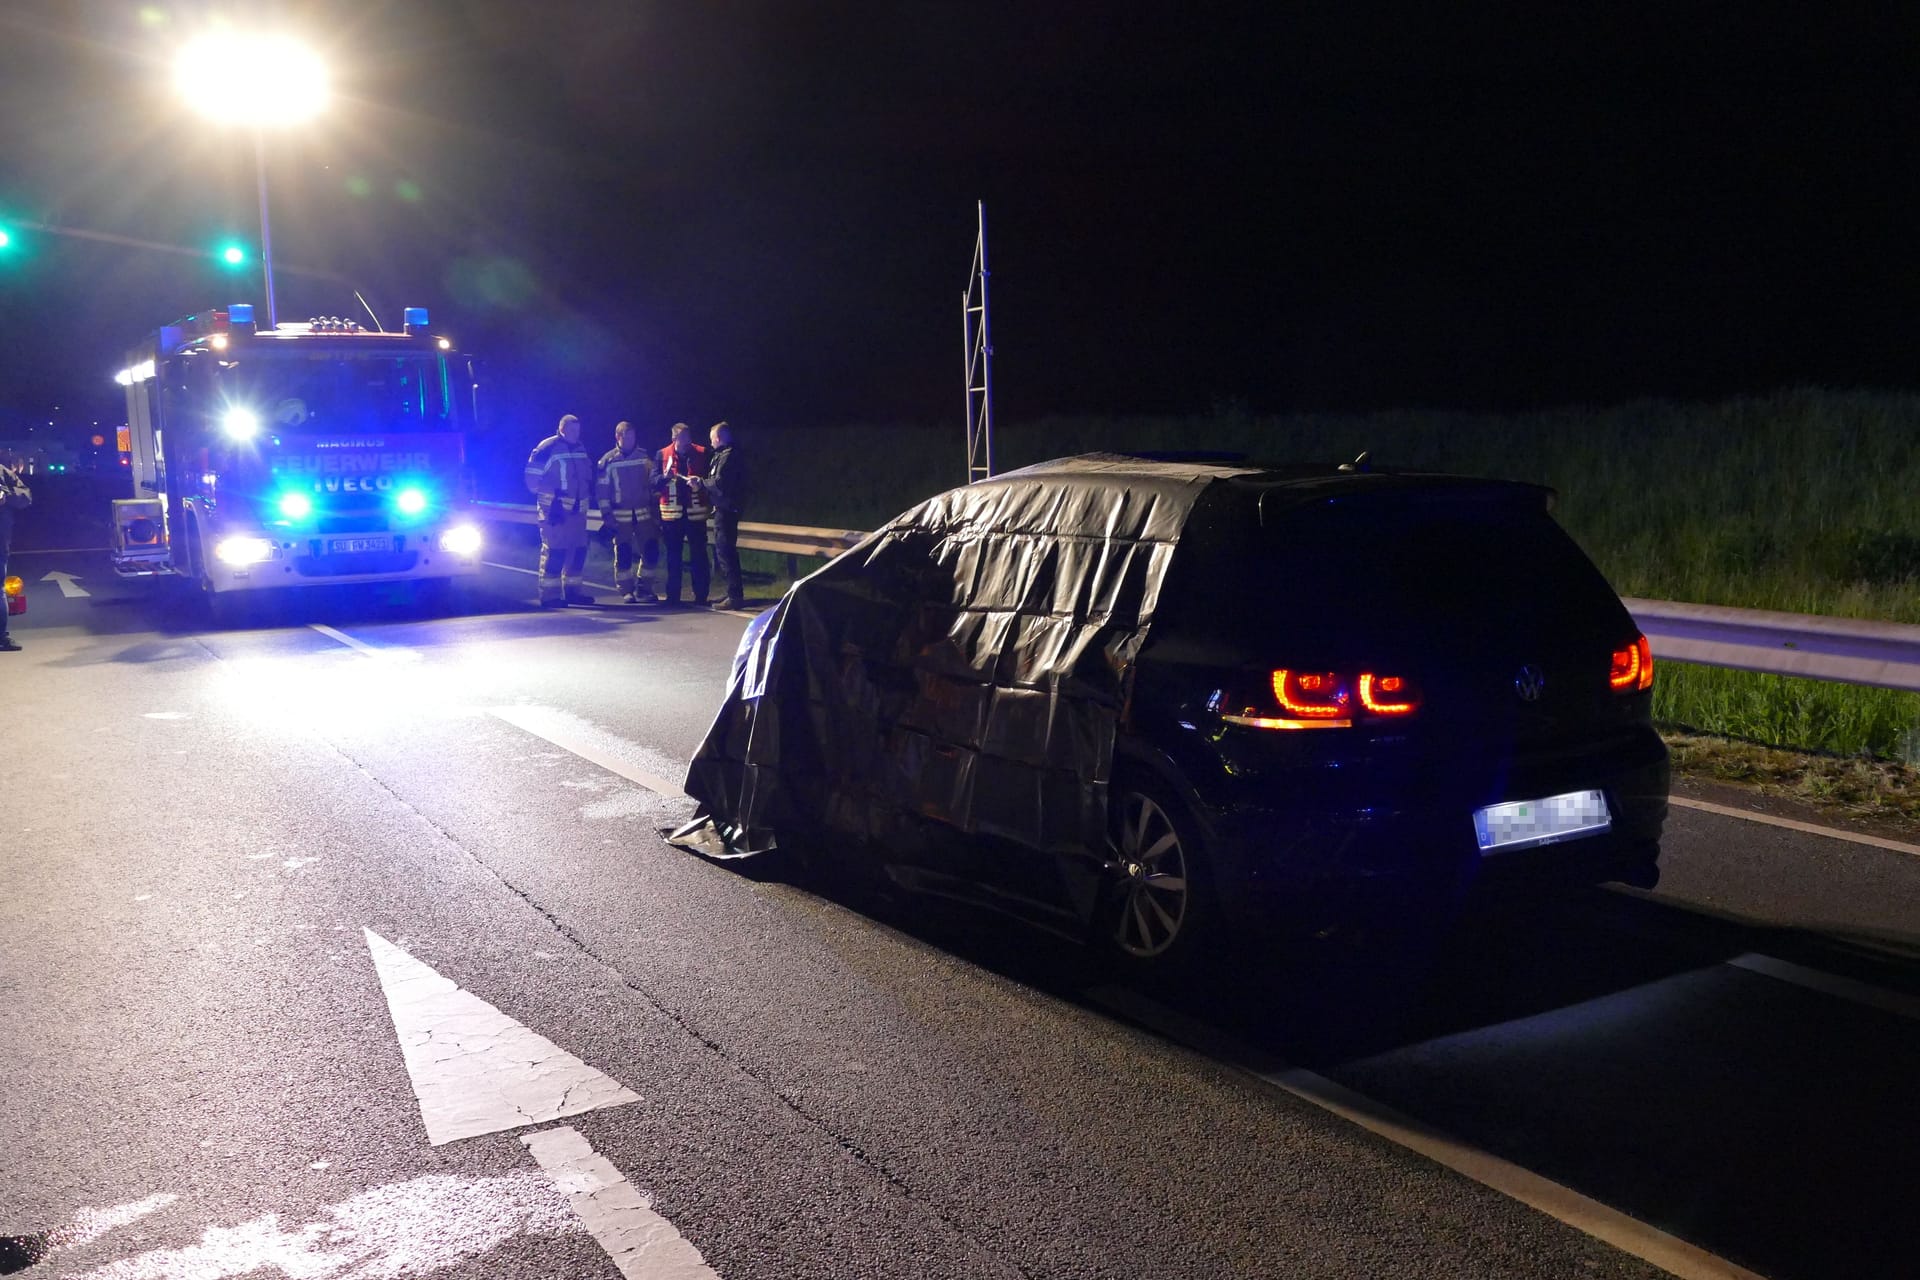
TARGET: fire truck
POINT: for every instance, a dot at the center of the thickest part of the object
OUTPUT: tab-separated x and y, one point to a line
296	455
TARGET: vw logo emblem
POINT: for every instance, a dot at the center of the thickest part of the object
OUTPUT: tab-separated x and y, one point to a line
1530	683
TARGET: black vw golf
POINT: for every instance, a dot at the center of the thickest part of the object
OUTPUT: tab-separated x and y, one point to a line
1164	702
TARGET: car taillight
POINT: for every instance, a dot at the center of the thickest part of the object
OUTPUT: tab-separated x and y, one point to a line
1388	695
1632	668
1322	700
1310	695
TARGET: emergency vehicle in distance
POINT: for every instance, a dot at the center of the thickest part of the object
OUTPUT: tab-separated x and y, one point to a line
295	456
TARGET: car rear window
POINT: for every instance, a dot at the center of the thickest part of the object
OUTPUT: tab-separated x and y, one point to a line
1470	561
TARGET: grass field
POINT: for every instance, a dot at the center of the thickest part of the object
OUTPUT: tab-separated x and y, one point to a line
1806	501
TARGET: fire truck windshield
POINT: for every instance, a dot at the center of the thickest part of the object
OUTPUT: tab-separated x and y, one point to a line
338	392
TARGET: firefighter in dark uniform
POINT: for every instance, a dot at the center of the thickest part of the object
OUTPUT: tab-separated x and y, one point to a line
628	492
684	512
726	488
561	477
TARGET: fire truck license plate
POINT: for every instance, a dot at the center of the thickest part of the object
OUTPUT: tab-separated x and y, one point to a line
347	546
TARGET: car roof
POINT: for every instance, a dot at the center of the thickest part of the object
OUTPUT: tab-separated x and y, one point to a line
1276	487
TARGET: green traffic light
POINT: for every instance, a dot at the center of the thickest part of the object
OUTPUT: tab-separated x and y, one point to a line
5	238
233	255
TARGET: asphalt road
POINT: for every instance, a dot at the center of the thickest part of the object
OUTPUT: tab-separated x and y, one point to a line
228	855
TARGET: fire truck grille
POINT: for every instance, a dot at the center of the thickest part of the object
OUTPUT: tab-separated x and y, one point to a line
347	564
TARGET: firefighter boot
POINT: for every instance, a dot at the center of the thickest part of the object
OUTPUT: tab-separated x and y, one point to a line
552	594
573	593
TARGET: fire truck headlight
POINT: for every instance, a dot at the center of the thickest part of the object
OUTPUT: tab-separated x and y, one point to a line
411	502
242	550
461	540
296	506
240	424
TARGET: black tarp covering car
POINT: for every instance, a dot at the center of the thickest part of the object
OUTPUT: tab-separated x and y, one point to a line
962	667
1175	699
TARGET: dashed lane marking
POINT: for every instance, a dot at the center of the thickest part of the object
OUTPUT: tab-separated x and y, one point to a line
371	650
563	732
474	1069
1624	1232
1811	828
534	573
642	1244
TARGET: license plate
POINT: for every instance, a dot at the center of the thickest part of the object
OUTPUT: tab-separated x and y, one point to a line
1522	824
347	546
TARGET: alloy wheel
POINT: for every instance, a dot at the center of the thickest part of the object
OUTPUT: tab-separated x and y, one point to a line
1154	894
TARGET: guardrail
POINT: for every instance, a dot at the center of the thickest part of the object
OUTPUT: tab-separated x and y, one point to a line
1884	655
790	540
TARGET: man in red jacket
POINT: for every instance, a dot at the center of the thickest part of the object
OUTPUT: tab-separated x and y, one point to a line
684	512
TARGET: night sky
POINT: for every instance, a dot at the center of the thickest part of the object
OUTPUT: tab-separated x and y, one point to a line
764	211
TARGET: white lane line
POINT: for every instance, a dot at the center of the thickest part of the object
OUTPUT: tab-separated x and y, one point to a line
590	745
1895	1002
429	1225
474	1069
1767	819
602	586
1623	1231
89	1225
642	1244
371	650
534	573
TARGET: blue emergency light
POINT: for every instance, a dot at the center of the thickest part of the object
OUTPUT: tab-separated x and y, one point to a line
239	313
414	318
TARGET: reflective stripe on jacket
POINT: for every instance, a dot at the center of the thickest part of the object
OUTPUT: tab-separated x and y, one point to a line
560	471
677	497
626	482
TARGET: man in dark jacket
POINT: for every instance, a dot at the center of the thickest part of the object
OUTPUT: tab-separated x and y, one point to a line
726	486
14	495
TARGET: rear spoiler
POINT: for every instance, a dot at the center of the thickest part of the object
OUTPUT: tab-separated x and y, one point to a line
1403	489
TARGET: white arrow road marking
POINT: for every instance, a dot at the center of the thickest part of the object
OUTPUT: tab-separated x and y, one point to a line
642	1244
68	587
474	1069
